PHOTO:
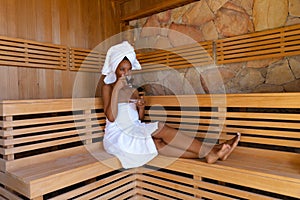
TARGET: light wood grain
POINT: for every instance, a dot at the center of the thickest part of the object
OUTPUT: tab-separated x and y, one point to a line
263	119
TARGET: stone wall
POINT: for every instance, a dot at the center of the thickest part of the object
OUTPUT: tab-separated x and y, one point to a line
210	20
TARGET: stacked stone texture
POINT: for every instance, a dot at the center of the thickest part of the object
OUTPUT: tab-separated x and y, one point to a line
216	19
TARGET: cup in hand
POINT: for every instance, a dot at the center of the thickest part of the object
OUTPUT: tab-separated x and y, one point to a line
129	80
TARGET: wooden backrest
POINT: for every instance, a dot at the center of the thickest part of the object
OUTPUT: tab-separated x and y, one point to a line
86	60
27	53
279	42
32	127
192	55
268	121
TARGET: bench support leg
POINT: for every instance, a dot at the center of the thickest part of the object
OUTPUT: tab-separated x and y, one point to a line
10	156
196	179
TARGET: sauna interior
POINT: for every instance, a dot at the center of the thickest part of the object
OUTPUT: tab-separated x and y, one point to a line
194	54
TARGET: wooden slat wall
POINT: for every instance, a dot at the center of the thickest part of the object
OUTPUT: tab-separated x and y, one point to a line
86	60
262	120
36	125
194	55
260	45
155	183
29	83
74	23
71	23
120	185
26	53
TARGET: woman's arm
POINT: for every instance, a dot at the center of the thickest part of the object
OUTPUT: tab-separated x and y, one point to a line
110	97
141	107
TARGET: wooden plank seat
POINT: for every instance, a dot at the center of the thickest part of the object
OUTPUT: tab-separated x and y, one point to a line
44	156
265	165
49	147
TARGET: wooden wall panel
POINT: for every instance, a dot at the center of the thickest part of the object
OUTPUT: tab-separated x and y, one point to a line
135	9
73	23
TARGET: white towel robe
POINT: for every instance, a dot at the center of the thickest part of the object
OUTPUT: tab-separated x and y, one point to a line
129	139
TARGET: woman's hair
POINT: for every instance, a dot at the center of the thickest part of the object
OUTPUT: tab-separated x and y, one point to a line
125	58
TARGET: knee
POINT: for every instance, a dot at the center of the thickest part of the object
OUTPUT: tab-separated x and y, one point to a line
162	129
159	144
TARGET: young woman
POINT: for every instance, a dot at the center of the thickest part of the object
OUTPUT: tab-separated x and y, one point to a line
132	141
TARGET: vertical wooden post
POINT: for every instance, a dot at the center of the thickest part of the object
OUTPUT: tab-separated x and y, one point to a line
88	126
8	157
137	173
196	179
8	119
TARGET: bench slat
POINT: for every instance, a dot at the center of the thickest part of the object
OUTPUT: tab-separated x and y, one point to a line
256	115
265	124
254	132
110	190
266	121
169	191
6	194
91	186
47	120
199	183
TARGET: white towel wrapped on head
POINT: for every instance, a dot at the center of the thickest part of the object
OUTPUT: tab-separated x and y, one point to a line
114	56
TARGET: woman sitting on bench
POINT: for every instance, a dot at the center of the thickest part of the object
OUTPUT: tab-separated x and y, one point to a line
132	141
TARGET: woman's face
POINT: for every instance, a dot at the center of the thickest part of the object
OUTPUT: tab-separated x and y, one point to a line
124	68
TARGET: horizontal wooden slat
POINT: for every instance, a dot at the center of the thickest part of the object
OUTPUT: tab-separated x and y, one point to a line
45	125
111	190
262	132
51	136
85	60
279	42
197	188
170	177
253	100
26	53
272	120
5	194
185	56
47	120
204	116
268	116
194	113
23	107
271	141
170	191
46	128
92	186
263	124
186	120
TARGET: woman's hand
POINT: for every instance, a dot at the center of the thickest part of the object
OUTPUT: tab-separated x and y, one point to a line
121	82
141	107
141	102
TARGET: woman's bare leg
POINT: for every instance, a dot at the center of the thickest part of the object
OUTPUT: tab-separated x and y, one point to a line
184	143
168	150
169	136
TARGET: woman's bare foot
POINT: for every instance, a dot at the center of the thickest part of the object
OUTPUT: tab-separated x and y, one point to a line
217	153
233	142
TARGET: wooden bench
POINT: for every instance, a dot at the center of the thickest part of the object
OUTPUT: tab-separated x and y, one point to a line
51	149
265	165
